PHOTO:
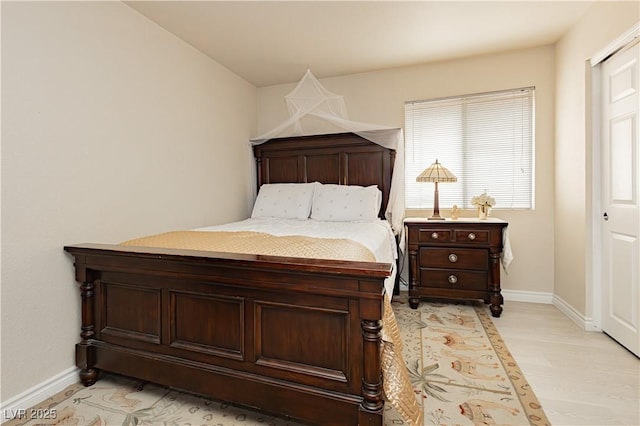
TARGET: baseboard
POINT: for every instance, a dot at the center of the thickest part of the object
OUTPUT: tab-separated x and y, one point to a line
40	392
582	321
527	296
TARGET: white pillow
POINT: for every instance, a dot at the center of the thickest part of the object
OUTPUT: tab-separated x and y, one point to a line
284	200
346	203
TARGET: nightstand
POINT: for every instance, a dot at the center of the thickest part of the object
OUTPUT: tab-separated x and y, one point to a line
457	259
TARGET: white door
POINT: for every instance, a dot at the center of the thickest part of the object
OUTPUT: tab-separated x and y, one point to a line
620	187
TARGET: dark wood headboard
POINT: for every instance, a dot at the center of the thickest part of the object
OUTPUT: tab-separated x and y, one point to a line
342	158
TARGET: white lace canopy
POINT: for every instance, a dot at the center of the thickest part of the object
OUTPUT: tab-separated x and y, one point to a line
310	103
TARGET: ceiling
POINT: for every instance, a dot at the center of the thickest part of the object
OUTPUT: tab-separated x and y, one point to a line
274	42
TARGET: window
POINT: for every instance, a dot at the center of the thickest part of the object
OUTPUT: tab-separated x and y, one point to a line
486	140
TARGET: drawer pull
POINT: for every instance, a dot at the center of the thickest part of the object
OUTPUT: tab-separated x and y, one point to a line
471	236
434	236
453	279
453	258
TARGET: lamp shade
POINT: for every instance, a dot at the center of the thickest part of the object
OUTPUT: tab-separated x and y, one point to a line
436	173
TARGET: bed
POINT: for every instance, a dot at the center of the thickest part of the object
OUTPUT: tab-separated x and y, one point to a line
298	337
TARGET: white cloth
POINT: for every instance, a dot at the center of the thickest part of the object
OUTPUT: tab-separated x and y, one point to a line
507	254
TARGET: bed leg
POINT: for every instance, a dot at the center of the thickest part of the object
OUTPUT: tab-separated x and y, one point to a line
371	408
88	376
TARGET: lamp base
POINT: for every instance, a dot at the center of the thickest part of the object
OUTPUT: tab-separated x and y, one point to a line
436	218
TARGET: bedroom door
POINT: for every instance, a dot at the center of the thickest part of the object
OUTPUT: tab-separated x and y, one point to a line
620	197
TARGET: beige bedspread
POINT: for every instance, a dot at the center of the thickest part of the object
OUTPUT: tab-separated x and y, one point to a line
259	243
397	385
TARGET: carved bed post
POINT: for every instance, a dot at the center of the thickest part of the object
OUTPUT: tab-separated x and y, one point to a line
259	173
84	352
371	408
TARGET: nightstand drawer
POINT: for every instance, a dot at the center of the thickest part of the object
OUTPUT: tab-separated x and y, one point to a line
472	236
453	279
454	258
434	235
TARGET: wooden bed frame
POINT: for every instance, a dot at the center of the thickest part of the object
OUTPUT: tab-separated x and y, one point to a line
295	337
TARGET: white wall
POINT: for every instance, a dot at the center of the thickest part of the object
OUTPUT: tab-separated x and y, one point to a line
112	128
601	25
378	97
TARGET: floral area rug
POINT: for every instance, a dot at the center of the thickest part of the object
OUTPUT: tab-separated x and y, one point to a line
461	371
461	368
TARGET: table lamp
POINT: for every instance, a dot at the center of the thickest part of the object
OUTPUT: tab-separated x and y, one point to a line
436	173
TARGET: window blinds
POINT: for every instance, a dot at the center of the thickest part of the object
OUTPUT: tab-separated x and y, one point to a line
486	140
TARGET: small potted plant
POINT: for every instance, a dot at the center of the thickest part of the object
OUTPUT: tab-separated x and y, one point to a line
483	203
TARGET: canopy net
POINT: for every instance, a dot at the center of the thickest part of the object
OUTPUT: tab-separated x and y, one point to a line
315	110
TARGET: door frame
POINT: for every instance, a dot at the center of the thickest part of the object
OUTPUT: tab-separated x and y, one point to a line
594	275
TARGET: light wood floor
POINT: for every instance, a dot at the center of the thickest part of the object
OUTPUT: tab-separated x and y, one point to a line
580	377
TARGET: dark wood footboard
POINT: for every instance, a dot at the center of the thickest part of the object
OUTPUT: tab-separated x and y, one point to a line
291	336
